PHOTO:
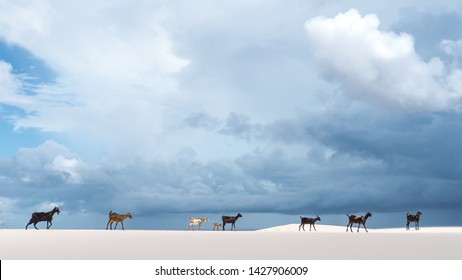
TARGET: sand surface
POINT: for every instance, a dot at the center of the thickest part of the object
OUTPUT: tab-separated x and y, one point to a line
278	243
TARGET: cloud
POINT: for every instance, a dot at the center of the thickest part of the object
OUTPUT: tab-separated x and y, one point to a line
201	120
22	19
452	48
6	204
10	85
379	66
115	71
48	162
331	169
240	125
343	159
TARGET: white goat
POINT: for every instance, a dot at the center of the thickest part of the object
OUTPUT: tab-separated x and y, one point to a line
196	221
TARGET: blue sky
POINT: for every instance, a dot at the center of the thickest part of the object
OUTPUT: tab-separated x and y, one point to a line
274	109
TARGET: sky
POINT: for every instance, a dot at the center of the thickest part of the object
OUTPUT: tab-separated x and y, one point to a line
274	109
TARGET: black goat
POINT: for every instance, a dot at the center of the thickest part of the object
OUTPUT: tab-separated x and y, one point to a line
415	218
310	221
360	220
230	220
43	216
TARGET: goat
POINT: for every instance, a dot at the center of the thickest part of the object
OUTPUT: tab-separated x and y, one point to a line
230	220
114	217
360	220
43	216
216	226
196	221
415	218
310	221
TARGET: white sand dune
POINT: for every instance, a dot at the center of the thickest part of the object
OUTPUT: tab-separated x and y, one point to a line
330	228
294	228
278	243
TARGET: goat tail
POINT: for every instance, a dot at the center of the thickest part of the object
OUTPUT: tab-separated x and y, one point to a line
110	212
348	215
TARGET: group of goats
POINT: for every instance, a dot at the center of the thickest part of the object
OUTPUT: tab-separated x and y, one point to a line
48	217
361	220
352	219
118	218
216	226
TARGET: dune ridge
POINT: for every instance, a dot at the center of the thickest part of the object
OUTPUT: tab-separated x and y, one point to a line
335	228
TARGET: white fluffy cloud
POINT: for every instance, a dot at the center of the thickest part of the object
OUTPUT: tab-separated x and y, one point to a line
22	19
379	66
115	69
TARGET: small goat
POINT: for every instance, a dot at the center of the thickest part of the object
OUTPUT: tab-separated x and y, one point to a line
43	216
216	226
114	217
310	221
230	220
360	220
415	218
196	221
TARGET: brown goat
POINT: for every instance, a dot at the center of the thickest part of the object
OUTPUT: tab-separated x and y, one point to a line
43	216
360	220
230	220
310	221
415	218
114	217
216	226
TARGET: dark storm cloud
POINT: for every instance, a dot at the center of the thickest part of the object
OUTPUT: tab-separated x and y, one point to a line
387	162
